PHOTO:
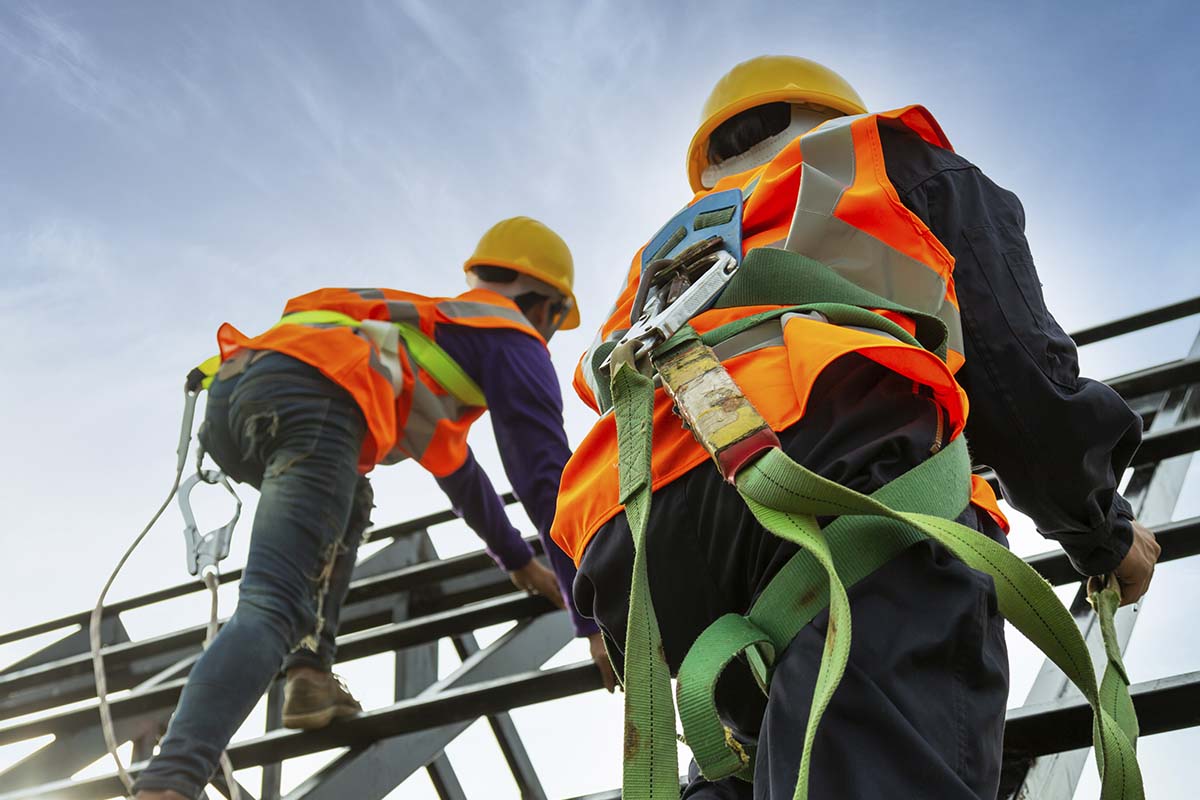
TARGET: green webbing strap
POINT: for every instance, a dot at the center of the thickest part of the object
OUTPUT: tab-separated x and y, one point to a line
770	276
786	498
800	591
424	350
651	766
438	363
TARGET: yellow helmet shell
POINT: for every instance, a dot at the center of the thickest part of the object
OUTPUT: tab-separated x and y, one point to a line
762	80
527	246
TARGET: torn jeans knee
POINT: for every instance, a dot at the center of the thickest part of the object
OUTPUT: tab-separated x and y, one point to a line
328	562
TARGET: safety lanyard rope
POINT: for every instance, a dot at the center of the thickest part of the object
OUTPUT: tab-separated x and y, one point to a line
787	498
211	579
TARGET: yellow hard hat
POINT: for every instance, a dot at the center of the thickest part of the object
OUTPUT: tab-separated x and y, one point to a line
762	80
527	246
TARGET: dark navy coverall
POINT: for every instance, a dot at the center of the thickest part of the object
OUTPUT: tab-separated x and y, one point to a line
920	712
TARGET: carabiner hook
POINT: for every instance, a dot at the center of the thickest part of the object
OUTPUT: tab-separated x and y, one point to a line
205	551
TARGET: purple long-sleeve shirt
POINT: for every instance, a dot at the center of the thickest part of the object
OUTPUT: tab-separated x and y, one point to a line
523	395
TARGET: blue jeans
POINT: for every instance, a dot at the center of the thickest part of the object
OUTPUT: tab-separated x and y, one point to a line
286	429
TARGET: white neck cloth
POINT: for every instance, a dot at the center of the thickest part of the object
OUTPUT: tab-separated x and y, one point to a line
804	119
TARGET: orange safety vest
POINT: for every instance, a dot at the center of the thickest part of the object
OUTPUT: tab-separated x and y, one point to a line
408	413
826	196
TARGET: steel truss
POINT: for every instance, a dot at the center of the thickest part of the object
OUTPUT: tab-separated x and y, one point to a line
404	600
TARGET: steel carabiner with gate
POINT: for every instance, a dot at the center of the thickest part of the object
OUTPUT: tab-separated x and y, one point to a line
204	551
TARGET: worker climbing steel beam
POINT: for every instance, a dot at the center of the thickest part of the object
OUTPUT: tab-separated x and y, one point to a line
849	282
349	379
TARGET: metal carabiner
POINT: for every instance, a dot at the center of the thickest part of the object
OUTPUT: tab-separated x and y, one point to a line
659	323
205	551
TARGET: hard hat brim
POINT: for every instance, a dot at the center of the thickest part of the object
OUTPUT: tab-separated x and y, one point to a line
697	159
572	320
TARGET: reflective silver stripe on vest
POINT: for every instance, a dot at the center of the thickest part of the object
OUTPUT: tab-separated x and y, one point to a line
385	356
827	172
758	337
403	311
769	333
589	375
592	376
465	309
427	410
368	294
819	317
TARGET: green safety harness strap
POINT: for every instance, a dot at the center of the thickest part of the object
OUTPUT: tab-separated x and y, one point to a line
787	498
650	762
424	350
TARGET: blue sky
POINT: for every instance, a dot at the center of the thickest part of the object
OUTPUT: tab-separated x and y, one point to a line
167	166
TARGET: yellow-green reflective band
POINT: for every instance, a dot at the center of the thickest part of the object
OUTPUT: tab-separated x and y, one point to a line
438	363
318	317
209	367
424	350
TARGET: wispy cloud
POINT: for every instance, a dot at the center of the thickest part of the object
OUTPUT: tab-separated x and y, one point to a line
49	51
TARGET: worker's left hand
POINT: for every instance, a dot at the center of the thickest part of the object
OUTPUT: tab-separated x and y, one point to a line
537	579
600	656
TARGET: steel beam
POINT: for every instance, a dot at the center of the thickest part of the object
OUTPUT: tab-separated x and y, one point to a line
380	765
353	646
421	573
420	523
1157	379
1153	492
1165	704
71	679
1177	539
505	731
1137	322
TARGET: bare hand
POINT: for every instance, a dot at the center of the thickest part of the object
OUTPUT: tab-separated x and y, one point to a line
536	579
1137	568
600	656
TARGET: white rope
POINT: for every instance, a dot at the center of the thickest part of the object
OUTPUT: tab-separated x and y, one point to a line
211	580
106	722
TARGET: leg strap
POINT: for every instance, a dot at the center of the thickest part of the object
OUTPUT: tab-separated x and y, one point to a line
800	591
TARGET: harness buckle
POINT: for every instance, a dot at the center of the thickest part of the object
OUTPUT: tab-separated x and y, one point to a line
669	294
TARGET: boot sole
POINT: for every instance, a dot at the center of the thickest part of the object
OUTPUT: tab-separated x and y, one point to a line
314	720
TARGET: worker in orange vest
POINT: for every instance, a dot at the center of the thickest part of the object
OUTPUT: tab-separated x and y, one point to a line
352	378
814	200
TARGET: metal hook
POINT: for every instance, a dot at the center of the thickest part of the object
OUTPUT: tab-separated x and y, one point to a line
205	551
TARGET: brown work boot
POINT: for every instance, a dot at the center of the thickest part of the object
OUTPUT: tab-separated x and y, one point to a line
165	794
313	698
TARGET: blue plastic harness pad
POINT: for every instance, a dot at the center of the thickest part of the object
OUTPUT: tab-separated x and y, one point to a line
717	214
